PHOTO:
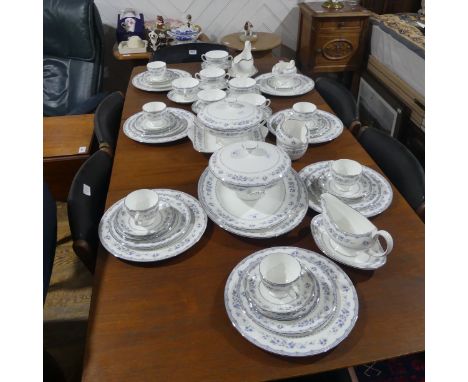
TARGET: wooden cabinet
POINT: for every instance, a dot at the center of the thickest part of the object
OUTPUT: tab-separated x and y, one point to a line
330	40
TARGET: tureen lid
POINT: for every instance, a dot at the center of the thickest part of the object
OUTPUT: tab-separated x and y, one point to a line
230	115
250	163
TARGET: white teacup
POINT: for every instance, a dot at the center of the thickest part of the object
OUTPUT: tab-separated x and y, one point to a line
279	271
154	113
135	42
293	137
142	205
157	70
243	85
186	87
304	111
350	229
212	73
345	173
254	99
216	56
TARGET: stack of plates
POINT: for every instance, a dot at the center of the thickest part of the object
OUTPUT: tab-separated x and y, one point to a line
323	127
143	80
180	223
296	84
317	317
174	125
233	175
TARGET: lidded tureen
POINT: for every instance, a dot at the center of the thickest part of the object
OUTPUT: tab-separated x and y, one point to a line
230	118
250	167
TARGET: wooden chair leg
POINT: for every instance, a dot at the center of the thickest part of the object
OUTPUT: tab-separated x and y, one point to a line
85	254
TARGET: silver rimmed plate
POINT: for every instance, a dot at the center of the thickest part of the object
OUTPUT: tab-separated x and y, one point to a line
298	85
141	81
324	127
205	141
373	203
353	258
191	237
303	344
177	98
183	121
207	194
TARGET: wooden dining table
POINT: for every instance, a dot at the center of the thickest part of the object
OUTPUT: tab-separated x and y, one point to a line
166	321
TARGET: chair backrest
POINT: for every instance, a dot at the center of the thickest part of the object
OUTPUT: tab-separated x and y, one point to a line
340	99
107	120
86	202
185	52
73	54
49	235
398	164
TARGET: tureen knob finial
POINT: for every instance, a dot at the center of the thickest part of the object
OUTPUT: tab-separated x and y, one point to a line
250	146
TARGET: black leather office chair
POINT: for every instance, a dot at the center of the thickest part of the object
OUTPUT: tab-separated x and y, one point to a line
72	57
341	100
49	236
107	121
398	164
185	52
86	202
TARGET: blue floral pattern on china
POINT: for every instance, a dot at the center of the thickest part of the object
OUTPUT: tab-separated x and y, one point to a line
209	200
192	236
303	85
303	344
324	127
183	120
375	202
140	81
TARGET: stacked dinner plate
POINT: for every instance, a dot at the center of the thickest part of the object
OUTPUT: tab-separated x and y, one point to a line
144	80
227	121
178	224
250	189
174	124
314	314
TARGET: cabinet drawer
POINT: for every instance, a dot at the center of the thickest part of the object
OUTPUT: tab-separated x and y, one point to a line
336	49
341	23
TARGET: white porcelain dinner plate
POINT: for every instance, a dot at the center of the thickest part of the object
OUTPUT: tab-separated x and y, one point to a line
184	121
325	126
299	84
224	214
375	201
205	141
118	248
301	344
140	81
360	259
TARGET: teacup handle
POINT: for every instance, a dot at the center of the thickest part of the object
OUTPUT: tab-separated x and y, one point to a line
388	240
197	76
203	57
227	76
267	102
229	58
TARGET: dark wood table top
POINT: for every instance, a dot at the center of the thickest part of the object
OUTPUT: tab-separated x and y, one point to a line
167	322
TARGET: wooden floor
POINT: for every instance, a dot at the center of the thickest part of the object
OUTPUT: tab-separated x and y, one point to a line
67	304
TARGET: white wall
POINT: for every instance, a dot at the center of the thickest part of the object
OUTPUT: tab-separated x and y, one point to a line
216	17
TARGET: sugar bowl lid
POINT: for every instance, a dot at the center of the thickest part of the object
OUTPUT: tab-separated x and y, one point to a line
250	164
229	115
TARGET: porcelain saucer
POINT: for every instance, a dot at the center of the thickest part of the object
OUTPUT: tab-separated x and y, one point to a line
226	65
298	85
360	259
192	235
161	126
177	98
378	191
141	82
324	127
358	190
302	344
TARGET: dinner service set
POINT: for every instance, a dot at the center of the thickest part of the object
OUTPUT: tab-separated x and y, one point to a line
322	125
223	122
291	301
348	237
184	90
250	189
217	58
157	77
157	123
152	225
207	96
212	77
